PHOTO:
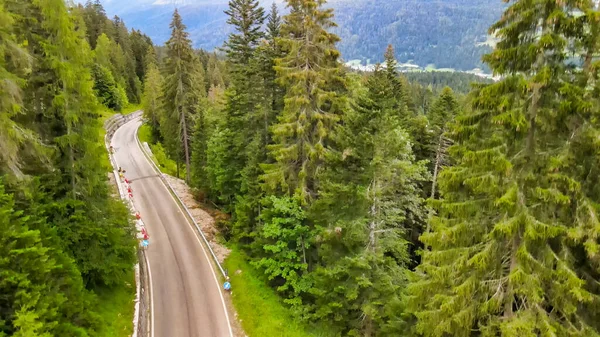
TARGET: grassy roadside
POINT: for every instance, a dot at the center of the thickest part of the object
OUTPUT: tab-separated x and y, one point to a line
116	306
259	308
159	156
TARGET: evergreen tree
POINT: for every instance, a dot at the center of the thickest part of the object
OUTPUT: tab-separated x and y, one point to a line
268	104
38	284
178	94
151	100
107	90
370	202
214	76
243	96
140	43
313	79
95	21
504	258
247	17
444	109
15	139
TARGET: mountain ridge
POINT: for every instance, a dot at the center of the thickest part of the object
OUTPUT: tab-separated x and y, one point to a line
450	34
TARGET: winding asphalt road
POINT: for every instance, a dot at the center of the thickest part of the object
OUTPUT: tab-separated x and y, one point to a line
186	295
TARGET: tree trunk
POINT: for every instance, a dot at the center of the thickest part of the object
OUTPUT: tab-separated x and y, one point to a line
509	299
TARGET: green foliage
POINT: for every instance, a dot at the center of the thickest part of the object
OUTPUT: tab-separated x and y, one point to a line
313	79
107	91
15	140
438	80
254	300
369	204
217	170
62	233
247	17
151	100
503	256
180	93
283	241
159	155
42	290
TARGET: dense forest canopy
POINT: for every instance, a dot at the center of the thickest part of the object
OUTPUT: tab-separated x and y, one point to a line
389	204
374	204
63	234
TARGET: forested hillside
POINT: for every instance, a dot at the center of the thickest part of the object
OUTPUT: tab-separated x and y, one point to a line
377	206
448	34
64	237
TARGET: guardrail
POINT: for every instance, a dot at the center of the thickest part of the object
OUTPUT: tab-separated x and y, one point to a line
187	211
142	309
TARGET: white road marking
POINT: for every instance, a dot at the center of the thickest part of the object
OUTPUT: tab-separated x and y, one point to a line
151	296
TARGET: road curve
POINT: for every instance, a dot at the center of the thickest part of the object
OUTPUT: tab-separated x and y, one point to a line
186	296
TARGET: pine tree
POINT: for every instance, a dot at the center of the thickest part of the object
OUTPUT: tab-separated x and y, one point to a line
151	100
60	97
504	256
313	78
268	104
243	95
95	21
140	43
40	288
107	90
180	67
444	109
370	201
15	139
214	76
247	17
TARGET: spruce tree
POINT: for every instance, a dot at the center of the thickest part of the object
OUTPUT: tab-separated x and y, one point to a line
370	202
180	67
16	140
314	80
151	100
214	76
36	279
443	111
268	98
505	247
247	17
242	96
95	21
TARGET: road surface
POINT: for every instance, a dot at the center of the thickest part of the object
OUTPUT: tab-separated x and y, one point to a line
186	296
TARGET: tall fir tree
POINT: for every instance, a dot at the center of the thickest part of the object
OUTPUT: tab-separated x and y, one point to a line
95	21
151	99
370	202
314	81
178	94
504	256
442	112
247	17
242	96
16	140
268	104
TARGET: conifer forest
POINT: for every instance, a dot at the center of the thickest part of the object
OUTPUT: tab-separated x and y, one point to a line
372	204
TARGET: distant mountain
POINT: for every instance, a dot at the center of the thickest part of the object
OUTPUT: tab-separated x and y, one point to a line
438	33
